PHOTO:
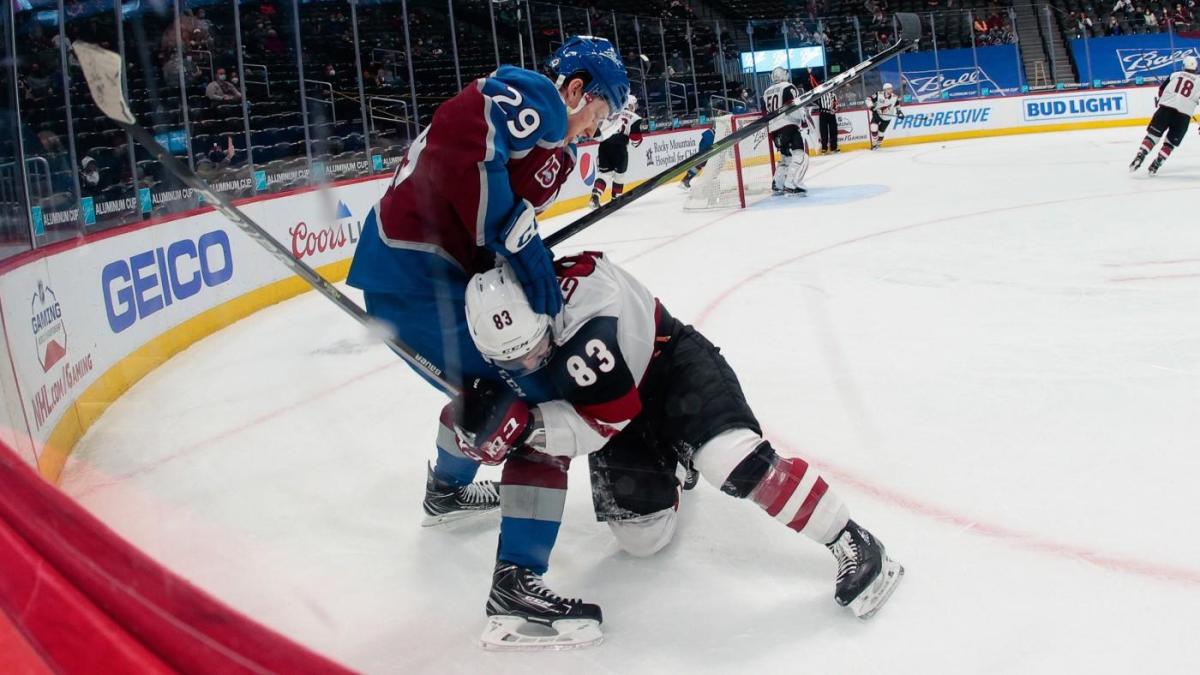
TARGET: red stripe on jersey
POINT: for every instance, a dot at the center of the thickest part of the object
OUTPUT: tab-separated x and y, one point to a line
599	427
618	410
535	469
809	505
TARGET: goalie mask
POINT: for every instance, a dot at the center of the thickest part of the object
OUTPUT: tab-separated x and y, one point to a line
505	329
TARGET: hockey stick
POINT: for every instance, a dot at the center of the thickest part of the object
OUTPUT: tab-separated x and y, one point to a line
910	33
102	70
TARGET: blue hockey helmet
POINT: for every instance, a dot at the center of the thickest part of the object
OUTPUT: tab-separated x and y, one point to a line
599	61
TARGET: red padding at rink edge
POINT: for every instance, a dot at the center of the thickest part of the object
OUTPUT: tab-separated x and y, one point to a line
80	593
51	627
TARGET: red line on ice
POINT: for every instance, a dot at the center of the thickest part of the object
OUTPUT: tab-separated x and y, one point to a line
1022	540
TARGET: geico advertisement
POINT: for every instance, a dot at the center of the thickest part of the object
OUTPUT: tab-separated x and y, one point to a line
73	315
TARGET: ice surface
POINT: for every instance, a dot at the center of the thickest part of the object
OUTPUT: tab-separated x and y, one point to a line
991	348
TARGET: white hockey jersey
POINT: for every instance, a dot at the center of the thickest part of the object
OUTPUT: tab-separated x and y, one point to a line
605	338
885	104
621	123
779	95
1181	91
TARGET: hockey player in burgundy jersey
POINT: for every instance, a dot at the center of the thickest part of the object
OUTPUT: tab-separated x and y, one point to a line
467	193
617	378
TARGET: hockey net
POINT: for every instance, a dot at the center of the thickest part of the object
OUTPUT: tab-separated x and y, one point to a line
742	171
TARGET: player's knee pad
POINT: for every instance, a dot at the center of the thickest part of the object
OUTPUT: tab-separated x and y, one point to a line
643	536
735	461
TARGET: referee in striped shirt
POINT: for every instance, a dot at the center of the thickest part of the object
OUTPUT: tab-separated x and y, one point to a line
827	107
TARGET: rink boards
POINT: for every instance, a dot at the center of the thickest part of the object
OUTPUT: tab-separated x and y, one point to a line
85	319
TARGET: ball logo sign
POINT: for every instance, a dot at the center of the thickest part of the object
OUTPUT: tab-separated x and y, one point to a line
49	331
930	84
1144	62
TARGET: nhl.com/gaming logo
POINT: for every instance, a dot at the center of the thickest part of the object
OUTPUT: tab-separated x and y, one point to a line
1136	62
49	331
929	84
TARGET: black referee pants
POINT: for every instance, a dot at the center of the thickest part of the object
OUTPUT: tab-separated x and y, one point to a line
827	122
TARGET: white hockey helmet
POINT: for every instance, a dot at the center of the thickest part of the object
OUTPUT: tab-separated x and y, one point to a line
1190	63
780	74
887	86
631	103
505	329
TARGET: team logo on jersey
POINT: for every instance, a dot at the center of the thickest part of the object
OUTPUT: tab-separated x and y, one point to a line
49	331
1135	62
548	174
930	84
587	169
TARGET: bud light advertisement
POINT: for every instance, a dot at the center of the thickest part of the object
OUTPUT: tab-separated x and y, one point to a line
1125	58
955	73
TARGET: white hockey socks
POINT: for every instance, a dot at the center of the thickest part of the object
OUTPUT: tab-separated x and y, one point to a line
794	174
744	465
781	170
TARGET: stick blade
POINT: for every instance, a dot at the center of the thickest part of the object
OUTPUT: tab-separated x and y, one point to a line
910	27
102	70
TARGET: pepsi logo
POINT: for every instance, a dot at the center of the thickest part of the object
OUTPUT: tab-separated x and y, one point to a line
587	169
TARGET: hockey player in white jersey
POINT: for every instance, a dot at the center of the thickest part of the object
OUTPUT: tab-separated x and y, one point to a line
639	393
885	107
1177	99
621	131
787	134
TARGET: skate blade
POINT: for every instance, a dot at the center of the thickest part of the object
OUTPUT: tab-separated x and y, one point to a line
455	516
515	634
869	601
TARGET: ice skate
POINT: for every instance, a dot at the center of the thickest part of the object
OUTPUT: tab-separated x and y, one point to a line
866	576
686	183
594	202
446	503
1155	165
1137	161
796	191
524	615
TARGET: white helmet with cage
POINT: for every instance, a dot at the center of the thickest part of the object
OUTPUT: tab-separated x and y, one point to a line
1190	63
887	86
780	74
505	329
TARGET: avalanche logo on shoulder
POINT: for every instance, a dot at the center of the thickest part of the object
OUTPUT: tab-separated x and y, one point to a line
587	169
1077	106
49	331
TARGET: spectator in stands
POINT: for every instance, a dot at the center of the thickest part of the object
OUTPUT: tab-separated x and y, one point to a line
272	43
1149	18
90	184
677	63
1182	15
175	65
980	26
222	90
1113	27
36	85
221	157
1126	5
